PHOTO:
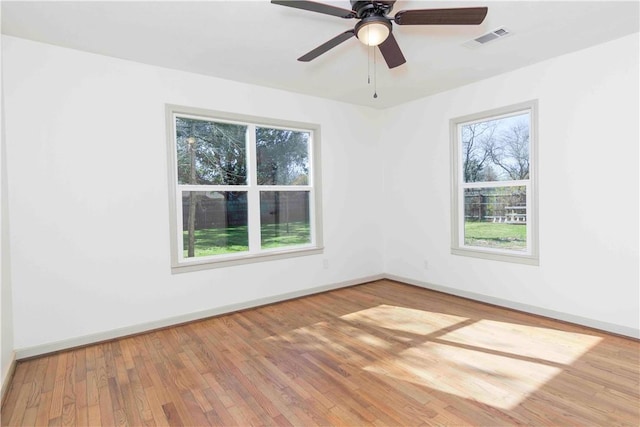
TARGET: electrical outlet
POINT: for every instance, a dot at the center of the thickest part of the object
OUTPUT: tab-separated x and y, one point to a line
325	264
426	264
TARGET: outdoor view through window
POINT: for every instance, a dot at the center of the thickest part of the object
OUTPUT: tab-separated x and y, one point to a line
494	183
241	188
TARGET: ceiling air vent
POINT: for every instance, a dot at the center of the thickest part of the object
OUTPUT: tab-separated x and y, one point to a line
486	38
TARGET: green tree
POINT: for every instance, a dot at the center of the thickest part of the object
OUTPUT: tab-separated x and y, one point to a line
510	151
209	153
283	157
219	150
475	138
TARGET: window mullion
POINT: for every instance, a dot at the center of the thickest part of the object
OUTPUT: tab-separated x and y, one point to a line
203	187
487	184
253	195
460	216
530	217
285	188
179	232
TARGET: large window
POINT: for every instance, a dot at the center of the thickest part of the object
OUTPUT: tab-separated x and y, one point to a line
494	210
242	188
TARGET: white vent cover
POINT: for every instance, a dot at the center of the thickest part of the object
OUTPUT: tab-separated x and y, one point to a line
486	38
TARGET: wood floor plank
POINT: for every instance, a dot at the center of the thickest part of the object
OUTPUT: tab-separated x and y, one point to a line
20	406
57	400
380	354
93	414
42	416
34	393
141	404
155	406
172	415
198	416
30	416
82	414
70	389
219	414
107	413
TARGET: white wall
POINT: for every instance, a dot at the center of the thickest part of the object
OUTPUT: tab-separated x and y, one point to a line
6	311
588	189
88	194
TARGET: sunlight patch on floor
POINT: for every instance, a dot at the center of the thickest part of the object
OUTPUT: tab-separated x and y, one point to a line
492	362
496	363
528	341
498	381
404	319
323	336
372	340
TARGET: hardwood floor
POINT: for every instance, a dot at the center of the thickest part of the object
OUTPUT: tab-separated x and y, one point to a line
381	353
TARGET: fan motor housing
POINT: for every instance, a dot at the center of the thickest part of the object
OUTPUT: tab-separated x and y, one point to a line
369	8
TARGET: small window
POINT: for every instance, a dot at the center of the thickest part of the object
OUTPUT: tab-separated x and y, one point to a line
242	188
494	209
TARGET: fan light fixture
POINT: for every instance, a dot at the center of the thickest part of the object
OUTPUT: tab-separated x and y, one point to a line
373	30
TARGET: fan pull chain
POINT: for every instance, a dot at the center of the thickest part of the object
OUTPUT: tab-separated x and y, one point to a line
375	78
369	65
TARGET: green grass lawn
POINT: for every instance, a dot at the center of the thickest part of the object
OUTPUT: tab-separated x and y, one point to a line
278	235
218	241
495	235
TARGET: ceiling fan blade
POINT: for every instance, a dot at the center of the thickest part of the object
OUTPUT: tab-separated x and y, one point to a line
317	7
458	16
326	46
391	52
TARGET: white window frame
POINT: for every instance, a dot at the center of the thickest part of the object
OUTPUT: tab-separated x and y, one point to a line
458	247
255	253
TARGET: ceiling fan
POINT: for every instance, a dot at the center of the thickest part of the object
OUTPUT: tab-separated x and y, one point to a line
374	26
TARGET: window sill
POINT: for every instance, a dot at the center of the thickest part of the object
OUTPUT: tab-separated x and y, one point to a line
232	260
497	255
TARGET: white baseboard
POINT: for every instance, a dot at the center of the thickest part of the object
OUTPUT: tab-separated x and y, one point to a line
7	375
52	347
558	315
190	317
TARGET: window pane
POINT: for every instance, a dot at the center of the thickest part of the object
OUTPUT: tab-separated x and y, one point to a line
496	150
214	223
211	153
283	157
284	218
496	217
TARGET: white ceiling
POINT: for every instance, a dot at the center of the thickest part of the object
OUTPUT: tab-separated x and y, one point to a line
258	42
